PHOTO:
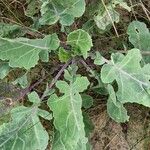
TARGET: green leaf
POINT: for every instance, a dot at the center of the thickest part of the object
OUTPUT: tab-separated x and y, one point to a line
121	3
34	98
4	69
22	81
107	15
87	101
63	11
64	55
132	79
24	132
10	30
44	114
98	60
115	108
139	36
67	114
81	41
67	75
44	56
106	18
24	52
32	7
48	91
89	127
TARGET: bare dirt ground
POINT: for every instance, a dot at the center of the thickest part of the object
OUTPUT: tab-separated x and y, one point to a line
109	135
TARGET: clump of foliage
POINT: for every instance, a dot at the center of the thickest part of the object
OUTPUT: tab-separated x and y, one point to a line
122	77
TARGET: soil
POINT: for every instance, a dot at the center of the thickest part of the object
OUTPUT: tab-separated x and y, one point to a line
109	135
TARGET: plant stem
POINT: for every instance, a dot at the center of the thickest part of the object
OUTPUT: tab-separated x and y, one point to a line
59	74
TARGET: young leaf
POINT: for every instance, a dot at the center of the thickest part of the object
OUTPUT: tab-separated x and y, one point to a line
48	91
64	55
132	79
80	41
63	11
67	114
115	108
98	60
34	98
24	52
22	81
139	36
87	101
24	132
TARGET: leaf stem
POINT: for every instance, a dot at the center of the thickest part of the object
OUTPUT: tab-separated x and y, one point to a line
59	74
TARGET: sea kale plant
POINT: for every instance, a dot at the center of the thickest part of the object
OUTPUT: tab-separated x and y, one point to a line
60	42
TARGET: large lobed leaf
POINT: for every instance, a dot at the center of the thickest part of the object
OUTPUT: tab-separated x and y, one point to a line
25	131
68	119
23	52
63	11
132	79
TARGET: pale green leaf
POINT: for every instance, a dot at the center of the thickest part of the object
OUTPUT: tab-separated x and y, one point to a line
81	41
24	132
10	30
106	18
107	15
67	75
62	85
61	10
115	108
44	56
4	69
139	36
122	4
48	91
98	60
24	52
44	114
67	114
108	73
22	81
34	98
132	79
